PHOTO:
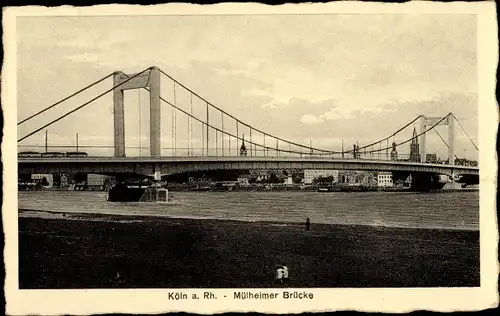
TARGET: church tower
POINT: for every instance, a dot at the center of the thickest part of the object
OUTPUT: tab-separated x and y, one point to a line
243	148
394	152
414	148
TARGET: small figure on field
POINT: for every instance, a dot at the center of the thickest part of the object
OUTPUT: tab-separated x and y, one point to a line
308	223
118	279
279	274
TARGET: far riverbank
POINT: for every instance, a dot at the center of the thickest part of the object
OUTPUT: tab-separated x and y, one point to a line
181	187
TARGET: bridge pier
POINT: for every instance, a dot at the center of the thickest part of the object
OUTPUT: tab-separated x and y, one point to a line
157	173
425	182
422	181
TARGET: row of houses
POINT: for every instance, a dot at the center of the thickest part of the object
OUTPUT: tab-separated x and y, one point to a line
381	179
310	176
63	181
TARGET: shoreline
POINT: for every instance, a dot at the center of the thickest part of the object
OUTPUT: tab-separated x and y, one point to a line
148	217
353	189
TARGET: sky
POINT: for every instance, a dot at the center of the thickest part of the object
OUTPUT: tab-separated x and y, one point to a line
324	79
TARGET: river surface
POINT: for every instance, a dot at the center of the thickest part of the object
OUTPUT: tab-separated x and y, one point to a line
450	210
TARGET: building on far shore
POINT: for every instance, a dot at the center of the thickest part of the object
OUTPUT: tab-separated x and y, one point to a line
357	177
384	179
311	174
431	158
465	162
259	175
47	180
96	181
243	180
369	179
64	182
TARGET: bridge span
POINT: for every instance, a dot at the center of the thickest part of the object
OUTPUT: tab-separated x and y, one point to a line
151	166
208	138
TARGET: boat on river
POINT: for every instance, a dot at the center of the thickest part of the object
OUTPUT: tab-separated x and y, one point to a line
325	189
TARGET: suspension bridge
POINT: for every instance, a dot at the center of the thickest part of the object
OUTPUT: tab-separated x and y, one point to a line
205	137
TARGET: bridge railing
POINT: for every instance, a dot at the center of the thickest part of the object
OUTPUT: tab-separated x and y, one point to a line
98	151
137	151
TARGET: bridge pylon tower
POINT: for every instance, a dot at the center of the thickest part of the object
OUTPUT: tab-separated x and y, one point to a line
150	79
426	122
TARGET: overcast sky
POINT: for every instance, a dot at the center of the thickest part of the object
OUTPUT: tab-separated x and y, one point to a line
319	78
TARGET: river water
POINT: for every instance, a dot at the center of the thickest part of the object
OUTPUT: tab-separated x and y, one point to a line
450	210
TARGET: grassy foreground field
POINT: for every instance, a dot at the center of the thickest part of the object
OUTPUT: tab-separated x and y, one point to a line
100	251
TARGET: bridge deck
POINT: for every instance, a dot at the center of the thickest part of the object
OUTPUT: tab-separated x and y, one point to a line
169	165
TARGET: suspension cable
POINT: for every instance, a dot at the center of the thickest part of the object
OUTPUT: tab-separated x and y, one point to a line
447	146
322	151
65	99
83	105
416	136
190	132
243	123
218	129
474	144
140	124
173	125
386	138
279	138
